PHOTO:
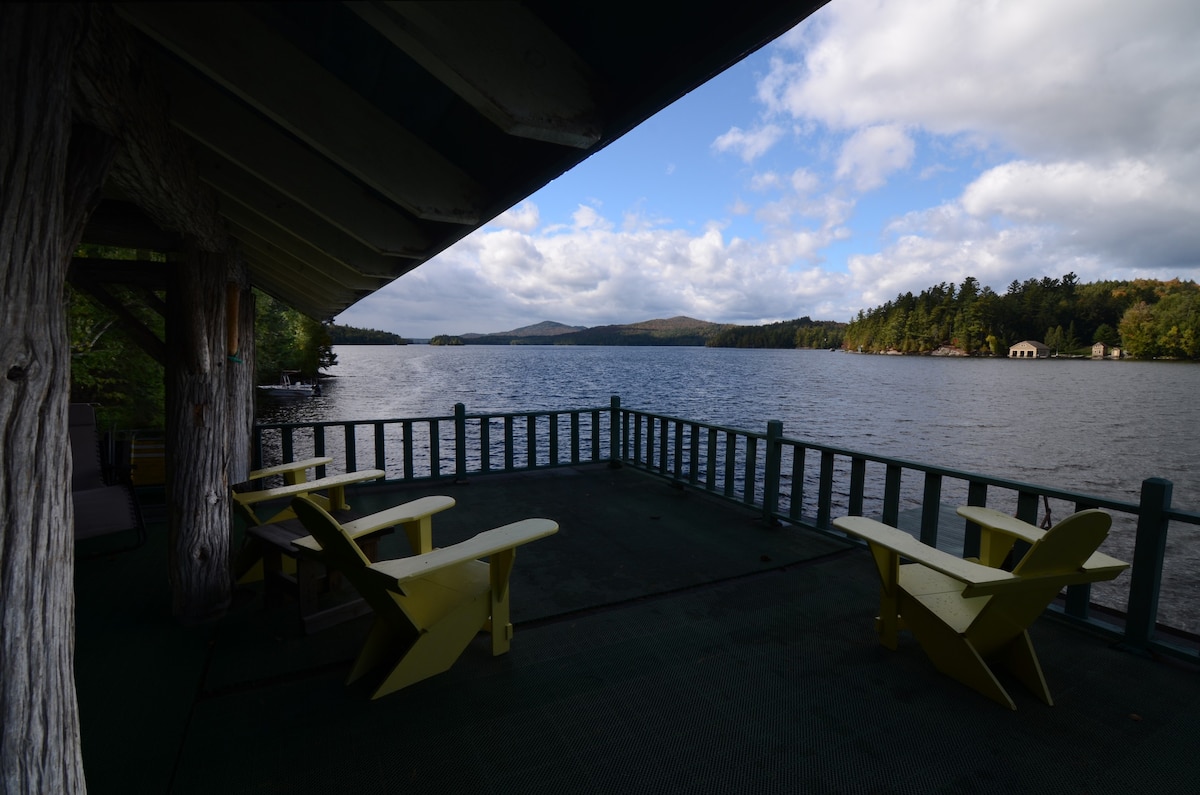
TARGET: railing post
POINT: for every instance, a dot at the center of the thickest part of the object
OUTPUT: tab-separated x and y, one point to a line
460	442
1149	550
771	469
614	432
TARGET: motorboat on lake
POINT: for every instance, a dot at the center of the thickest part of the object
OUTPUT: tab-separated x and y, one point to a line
289	387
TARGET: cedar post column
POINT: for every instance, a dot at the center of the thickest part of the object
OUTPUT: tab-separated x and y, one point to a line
198	439
50	175
240	379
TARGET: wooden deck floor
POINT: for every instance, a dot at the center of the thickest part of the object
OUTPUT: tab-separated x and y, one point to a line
665	642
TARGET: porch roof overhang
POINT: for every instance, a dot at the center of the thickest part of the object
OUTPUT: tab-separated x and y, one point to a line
348	143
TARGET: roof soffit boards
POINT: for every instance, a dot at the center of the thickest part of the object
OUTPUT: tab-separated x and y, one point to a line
351	142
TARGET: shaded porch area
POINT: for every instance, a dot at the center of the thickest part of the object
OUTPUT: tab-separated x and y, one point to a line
666	641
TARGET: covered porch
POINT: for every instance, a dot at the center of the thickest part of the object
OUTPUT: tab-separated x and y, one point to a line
666	641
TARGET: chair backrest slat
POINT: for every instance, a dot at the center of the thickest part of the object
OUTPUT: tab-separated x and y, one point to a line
1067	545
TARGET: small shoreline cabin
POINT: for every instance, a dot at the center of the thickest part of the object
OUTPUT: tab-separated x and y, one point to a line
1029	349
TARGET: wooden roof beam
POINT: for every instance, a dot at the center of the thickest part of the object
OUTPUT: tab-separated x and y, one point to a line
236	50
308	228
142	336
300	270
243	137
279	287
500	59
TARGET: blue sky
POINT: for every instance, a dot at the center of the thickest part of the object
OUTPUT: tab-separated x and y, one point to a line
878	148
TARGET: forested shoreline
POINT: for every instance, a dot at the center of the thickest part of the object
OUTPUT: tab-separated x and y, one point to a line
1146	318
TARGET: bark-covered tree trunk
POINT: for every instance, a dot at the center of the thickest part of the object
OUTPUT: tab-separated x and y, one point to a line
198	439
50	176
240	381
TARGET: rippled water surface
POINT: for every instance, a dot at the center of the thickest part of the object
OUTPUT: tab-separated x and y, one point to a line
1094	426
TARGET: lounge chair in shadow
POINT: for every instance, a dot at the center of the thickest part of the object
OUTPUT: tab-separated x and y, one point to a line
101	507
969	617
429	606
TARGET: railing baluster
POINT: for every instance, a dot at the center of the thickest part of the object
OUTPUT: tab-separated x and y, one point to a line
553	439
797	501
460	440
509	442
678	466
531	441
351	451
595	435
710	475
730	461
858	483
976	495
380	448
649	441
574	437
694	461
637	438
319	447
891	495
750	474
485	444
931	507
408	449
615	420
825	491
435	449
664	456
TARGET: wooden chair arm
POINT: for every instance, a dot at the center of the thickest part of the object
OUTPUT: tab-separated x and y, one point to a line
412	511
291	466
486	543
991	519
979	578
320	484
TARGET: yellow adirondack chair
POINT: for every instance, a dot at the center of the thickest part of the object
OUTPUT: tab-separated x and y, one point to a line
429	606
968	616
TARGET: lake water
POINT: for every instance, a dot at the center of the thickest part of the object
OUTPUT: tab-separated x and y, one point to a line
1094	426
1098	427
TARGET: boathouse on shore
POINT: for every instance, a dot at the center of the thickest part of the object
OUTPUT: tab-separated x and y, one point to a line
1029	349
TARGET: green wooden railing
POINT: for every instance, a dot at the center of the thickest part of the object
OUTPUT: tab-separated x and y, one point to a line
788	480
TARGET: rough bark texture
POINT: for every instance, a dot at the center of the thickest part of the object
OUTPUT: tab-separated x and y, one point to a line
198	440
114	92
240	380
49	180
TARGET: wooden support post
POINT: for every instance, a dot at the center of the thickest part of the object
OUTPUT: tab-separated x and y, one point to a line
50	178
239	381
198	440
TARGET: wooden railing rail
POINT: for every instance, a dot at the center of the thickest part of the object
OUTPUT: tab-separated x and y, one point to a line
788	480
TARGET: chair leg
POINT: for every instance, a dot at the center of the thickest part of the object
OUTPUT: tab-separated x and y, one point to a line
952	654
384	643
438	646
1021	660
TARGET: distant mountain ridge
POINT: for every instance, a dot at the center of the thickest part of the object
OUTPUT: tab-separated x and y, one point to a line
679	330
547	328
